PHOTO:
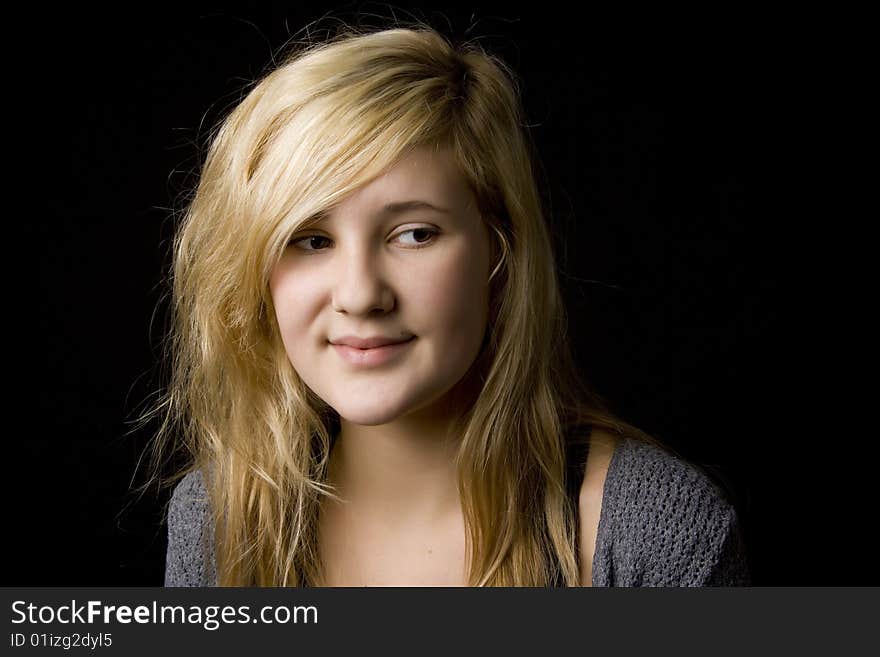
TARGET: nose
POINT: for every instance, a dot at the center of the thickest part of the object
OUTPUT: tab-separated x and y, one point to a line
360	284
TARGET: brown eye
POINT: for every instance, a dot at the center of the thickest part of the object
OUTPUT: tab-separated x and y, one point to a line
422	236
312	241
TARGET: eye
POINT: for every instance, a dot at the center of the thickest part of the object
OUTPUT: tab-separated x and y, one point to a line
308	239
422	237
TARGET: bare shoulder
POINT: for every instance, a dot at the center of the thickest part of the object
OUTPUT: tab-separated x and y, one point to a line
602	446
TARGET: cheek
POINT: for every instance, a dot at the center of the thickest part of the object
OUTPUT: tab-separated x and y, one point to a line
454	298
296	298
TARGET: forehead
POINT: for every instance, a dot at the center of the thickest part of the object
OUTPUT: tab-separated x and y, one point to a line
423	174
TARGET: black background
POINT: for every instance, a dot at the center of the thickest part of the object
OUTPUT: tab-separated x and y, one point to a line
663	143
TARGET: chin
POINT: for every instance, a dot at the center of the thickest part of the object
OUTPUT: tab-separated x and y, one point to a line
377	410
370	412
370	418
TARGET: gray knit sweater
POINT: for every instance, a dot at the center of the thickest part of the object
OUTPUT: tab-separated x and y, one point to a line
663	523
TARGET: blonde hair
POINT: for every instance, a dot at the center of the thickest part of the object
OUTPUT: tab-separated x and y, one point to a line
328	119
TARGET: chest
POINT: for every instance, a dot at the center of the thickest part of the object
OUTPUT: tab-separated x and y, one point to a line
358	554
361	551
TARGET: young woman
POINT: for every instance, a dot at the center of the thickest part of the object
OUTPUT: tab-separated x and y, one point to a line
371	376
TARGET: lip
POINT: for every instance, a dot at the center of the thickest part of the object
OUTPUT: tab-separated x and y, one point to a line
373	356
369	343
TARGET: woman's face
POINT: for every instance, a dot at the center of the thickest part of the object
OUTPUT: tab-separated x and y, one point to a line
369	269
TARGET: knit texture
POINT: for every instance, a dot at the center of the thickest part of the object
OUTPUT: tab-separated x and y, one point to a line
190	557
663	523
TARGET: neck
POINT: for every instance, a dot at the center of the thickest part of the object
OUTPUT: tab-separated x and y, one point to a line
405	470
395	471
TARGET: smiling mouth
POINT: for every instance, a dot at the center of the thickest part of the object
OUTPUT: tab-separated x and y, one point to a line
369	343
371	357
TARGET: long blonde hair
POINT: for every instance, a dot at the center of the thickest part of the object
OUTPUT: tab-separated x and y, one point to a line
328	119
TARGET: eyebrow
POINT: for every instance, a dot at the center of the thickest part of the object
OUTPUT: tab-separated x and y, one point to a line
389	210
406	206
